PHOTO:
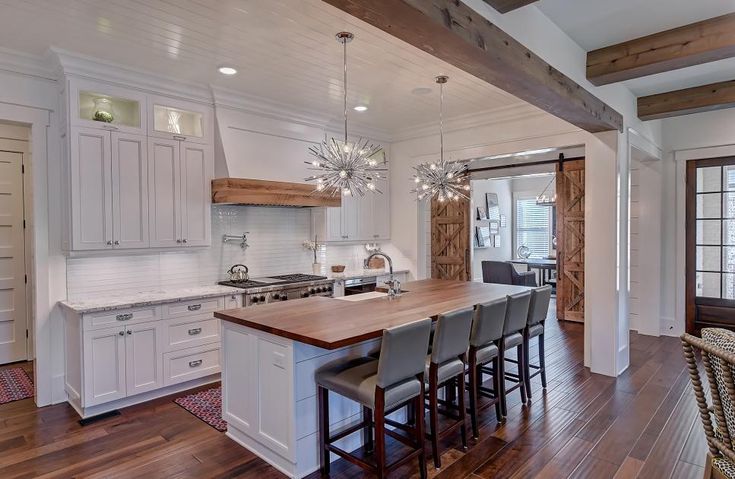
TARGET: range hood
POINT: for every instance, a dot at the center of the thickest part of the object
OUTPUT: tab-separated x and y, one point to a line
244	191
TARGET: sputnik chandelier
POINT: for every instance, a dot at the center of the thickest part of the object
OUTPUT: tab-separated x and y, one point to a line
445	180
345	167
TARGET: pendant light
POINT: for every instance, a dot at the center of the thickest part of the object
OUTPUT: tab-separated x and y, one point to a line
442	180
344	167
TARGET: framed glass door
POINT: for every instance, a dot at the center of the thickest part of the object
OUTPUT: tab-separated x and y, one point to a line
710	249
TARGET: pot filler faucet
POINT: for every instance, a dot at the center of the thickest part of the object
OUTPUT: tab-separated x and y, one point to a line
394	286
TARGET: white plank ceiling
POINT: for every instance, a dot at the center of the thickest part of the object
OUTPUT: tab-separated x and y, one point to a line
284	49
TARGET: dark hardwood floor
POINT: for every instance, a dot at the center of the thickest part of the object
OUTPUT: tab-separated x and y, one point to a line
642	424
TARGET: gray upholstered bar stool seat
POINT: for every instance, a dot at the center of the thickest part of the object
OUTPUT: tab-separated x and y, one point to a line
487	332
445	367
537	311
380	386
516	317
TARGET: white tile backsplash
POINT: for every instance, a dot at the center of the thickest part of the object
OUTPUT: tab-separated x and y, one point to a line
276	237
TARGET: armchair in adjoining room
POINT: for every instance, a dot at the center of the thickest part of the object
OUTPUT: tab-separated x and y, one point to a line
503	272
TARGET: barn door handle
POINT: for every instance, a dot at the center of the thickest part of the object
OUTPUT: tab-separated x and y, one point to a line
467	263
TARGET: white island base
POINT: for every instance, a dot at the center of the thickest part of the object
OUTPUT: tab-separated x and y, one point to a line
269	397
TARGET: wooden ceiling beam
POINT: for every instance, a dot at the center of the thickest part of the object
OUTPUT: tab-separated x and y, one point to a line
455	33
505	6
701	42
715	96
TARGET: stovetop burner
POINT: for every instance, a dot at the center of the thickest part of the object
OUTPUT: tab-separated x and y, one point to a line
297	277
274	281
243	284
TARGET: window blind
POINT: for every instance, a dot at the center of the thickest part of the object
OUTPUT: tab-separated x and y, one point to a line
532	227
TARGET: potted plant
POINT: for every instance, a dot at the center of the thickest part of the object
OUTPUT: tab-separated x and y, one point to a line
313	246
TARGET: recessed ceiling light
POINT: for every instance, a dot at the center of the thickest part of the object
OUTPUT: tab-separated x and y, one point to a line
225	70
360	108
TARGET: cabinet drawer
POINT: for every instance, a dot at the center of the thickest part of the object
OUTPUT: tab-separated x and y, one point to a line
193	307
120	317
188	364
189	332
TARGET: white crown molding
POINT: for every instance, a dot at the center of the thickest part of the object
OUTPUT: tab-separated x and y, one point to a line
19	63
84	66
516	111
235	100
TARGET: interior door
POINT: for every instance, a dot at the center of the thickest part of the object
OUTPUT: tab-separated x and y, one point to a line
710	244
570	240
195	194
164	197
130	191
13	342
91	189
143	358
450	248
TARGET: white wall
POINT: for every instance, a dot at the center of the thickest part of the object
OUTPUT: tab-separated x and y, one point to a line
702	135
505	200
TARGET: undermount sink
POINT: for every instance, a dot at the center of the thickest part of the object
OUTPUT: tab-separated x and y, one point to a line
378	293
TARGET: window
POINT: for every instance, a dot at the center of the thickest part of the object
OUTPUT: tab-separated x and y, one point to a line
532	227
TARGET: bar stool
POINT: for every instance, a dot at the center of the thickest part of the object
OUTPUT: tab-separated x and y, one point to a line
381	386
445	366
516	316
537	311
487	330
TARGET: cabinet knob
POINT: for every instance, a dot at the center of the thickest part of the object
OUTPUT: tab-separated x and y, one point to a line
183	241
117	243
109	243
130	331
121	333
178	241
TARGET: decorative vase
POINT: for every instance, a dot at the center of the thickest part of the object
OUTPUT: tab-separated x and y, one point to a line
103	110
316	268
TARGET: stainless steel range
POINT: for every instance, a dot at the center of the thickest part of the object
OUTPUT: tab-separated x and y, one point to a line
284	287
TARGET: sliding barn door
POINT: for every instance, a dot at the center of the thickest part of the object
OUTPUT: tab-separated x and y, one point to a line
450	240
570	240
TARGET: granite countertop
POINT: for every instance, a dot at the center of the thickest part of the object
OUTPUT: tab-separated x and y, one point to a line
145	298
362	273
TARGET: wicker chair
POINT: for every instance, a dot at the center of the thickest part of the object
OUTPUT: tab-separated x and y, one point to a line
717	347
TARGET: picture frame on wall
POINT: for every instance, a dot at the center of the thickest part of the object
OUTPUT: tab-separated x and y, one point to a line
496	241
482	237
481	213
493	206
503	221
494	226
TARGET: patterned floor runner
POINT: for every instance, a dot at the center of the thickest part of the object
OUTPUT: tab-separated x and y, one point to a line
206	405
15	384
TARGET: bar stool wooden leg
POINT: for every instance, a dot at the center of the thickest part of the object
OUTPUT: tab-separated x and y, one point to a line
521	367
542	359
501	380
526	376
323	399
367	435
462	411
380	432
420	433
434	414
474	394
496	387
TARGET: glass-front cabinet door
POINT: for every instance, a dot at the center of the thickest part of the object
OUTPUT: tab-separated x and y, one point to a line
99	105
710	229
178	120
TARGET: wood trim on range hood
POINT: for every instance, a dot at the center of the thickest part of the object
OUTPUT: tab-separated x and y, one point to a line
243	191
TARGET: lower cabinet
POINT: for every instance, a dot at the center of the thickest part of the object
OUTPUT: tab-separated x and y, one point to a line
104	374
143	358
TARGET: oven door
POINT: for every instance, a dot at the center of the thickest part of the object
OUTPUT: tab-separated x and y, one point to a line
360	285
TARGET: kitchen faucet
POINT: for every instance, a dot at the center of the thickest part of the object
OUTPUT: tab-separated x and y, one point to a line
394	286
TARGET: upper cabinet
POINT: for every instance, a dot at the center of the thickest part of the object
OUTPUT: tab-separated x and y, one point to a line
107	107
138	169
179	120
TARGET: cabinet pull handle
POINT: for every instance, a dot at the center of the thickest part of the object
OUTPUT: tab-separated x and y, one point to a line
179	137
110	127
195	331
194	307
124	317
193	364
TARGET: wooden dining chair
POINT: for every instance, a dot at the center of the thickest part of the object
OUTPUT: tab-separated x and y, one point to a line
717	348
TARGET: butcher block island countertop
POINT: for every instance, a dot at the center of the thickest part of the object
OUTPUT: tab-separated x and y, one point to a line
332	323
272	352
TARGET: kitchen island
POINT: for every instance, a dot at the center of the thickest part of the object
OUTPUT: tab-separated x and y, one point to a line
271	352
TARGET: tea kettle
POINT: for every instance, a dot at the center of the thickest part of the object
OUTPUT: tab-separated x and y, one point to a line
238	273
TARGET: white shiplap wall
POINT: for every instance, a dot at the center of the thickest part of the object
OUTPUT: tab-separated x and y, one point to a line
276	247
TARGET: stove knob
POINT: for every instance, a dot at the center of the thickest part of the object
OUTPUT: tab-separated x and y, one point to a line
276	296
324	289
262	298
254	299
312	290
284	297
329	289
305	294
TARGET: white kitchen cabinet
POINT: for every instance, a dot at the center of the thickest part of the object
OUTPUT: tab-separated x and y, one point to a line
381	211
126	107
109	190
143	357
104	371
179	120
179	189
91	189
